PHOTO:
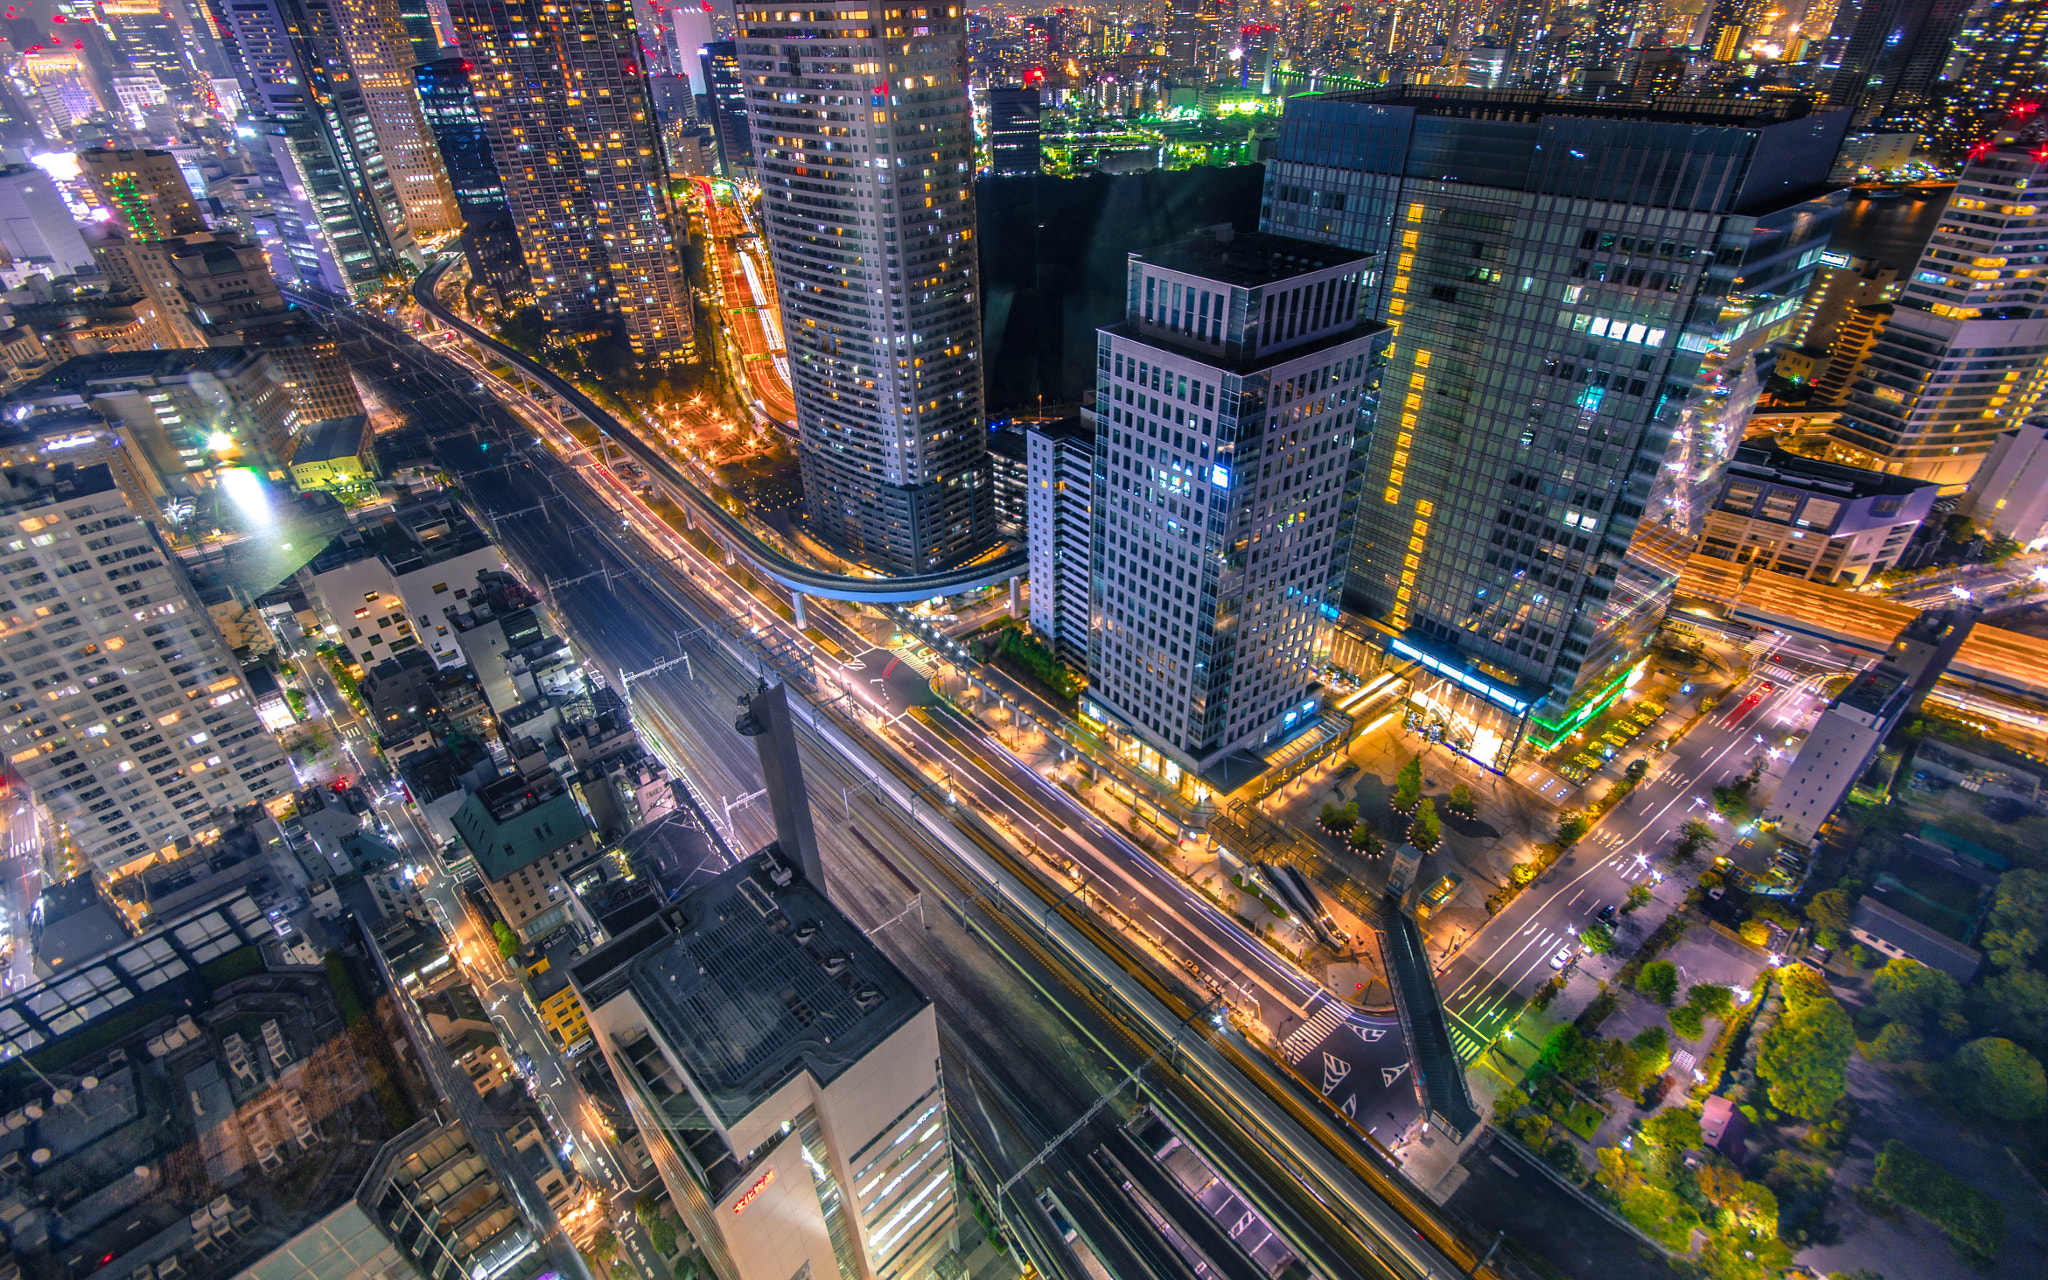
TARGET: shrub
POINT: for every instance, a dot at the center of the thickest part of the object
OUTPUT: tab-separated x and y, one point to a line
508	941
1756	933
1975	1223
1571	824
1658	981
1365	840
1638	895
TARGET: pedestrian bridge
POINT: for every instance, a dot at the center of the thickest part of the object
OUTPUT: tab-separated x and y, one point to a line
714	521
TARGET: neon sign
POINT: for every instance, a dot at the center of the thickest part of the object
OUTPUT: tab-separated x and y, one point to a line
753	1192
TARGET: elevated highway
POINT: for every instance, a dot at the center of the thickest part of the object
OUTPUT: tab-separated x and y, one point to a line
705	515
1998	664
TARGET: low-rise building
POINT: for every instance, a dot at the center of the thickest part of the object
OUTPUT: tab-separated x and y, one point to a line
387	586
524	830
340	453
1817	520
1900	936
547	982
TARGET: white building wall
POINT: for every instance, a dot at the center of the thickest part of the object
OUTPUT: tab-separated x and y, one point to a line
2009	493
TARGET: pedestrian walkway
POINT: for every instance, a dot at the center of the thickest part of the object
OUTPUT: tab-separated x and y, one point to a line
1467	1046
1312	1033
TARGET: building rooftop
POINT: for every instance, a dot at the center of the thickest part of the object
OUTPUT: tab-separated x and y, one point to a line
1072	427
26	488
1921	942
1762	459
333	438
1247	259
755	977
1528	104
85	375
1872	691
511	821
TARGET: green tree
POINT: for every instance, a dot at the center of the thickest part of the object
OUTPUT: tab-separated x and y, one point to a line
2018	920
1695	835
1363	839
1732	803
662	1234
1898	1042
508	941
1598	939
1638	896
1329	817
1659	981
1832	909
1653	1046
1461	800
1686	1021
1408	784
1571	824
2000	1079
1802	986
1805	1055
2014	1005
1428	828
1711	999
1923	998
1565	1054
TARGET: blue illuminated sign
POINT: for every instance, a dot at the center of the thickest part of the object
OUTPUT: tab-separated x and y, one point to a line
1472	682
1220	477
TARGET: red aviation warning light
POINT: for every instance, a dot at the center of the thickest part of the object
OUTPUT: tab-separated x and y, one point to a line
1035	75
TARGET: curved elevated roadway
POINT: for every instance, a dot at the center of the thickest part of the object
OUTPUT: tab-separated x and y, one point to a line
715	521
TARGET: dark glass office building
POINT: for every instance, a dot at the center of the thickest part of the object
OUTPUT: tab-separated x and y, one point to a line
1583	296
727	110
1013	141
488	233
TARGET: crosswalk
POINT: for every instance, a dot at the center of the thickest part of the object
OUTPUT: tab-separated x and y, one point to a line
1783	675
1466	1045
1312	1033
914	664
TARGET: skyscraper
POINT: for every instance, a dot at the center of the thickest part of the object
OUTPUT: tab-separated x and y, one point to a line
1965	355
144	733
1890	73
726	101
564	96
381	53
489	236
1013	137
339	222
2001	59
1059	459
145	189
866	164
1230	400
1583	296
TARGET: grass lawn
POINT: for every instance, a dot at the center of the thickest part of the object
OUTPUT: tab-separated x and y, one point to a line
1584	1119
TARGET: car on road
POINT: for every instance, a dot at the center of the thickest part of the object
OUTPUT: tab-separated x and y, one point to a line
1562	958
1606	915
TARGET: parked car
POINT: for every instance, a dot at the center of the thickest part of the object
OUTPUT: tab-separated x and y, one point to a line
1562	958
1607	914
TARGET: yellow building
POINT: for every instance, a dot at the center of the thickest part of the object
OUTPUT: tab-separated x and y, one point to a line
547	981
339	453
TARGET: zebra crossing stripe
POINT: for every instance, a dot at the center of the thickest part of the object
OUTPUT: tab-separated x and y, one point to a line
1312	1033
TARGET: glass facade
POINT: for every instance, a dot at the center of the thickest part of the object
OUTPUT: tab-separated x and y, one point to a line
1581	302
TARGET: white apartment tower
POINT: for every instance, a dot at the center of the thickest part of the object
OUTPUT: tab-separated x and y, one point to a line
1229	402
864	146
1965	356
120	704
1059	465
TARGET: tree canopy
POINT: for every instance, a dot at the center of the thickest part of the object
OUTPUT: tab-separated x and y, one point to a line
1659	981
2000	1079
1408	784
1805	1056
1924	999
2018	921
1832	909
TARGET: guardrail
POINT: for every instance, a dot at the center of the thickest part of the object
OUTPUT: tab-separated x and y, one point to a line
728	530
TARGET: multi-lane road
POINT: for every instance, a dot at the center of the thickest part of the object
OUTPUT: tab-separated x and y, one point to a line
1487	984
749	306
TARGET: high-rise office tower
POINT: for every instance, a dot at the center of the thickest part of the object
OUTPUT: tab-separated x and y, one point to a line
145	189
151	42
422	28
1890	73
124	710
1965	354
340	226
693	32
1229	403
380	51
2001	59
879	295
1059	462
564	96
489	236
1584	295
726	101
1013	138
